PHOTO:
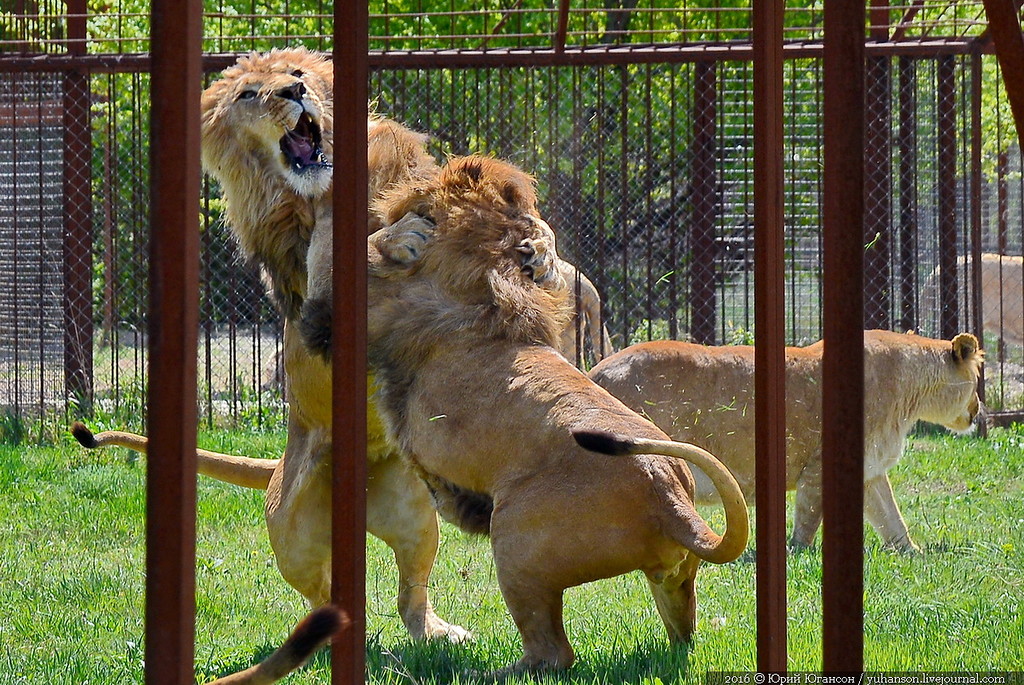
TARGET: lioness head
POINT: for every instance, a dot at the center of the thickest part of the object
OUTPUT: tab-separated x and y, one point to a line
956	403
272	111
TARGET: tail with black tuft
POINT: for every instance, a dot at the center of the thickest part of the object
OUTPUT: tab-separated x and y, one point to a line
603	442
693	531
244	471
83	435
312	633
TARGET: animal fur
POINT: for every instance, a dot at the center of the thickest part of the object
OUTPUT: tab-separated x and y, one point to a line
484	407
705	395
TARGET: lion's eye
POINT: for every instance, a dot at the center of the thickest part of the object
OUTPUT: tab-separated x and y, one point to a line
298	73
247	95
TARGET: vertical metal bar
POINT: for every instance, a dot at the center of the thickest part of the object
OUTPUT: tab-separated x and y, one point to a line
348	532
1004	25
946	115
673	294
878	205
624	200
702	236
907	143
843	372
1002	200
975	218
651	309
174	306
78	328
769	337
563	25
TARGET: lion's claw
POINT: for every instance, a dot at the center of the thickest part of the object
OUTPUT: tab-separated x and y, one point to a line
405	239
538	259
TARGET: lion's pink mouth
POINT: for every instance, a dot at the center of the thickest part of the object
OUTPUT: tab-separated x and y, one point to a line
301	146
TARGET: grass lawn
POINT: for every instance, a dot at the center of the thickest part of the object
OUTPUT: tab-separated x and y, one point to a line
71	573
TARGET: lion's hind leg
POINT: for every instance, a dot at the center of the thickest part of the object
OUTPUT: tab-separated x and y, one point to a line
399	512
536	608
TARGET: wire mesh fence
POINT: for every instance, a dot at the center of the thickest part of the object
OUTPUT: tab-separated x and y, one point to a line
645	170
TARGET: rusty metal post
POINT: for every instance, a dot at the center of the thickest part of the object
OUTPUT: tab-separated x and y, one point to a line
878	200
1004	25
348	533
977	320
562	28
907	144
173	324
77	187
702	227
769	337
946	114
843	372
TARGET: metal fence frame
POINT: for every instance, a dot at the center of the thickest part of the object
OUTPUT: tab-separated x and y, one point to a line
170	544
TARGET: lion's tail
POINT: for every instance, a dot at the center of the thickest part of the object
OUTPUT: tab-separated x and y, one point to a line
244	471
310	635
705	543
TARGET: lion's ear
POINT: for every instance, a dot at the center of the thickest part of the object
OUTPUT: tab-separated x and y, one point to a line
518	192
964	346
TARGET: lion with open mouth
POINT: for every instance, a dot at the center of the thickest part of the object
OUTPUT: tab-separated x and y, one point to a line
267	129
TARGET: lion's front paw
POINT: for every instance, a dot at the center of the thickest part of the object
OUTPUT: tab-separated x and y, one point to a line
538	260
404	240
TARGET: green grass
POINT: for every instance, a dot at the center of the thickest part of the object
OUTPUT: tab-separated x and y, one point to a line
71	573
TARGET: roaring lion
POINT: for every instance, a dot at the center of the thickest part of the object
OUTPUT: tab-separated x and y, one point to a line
506	432
705	395
267	132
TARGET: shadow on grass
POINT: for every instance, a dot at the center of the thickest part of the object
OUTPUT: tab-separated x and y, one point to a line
442	663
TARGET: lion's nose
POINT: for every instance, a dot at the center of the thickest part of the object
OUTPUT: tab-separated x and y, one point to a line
292	92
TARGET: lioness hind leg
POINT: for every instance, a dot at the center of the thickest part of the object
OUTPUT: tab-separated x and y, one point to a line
807	511
399	512
883	513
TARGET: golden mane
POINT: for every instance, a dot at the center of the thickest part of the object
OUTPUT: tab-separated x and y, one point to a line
469	281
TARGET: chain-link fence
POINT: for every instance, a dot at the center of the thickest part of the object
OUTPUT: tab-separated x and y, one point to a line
645	170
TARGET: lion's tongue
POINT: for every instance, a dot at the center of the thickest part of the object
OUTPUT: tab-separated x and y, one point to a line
300	149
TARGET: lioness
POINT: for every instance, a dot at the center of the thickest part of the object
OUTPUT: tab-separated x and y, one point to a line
706	395
493	417
1002	294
